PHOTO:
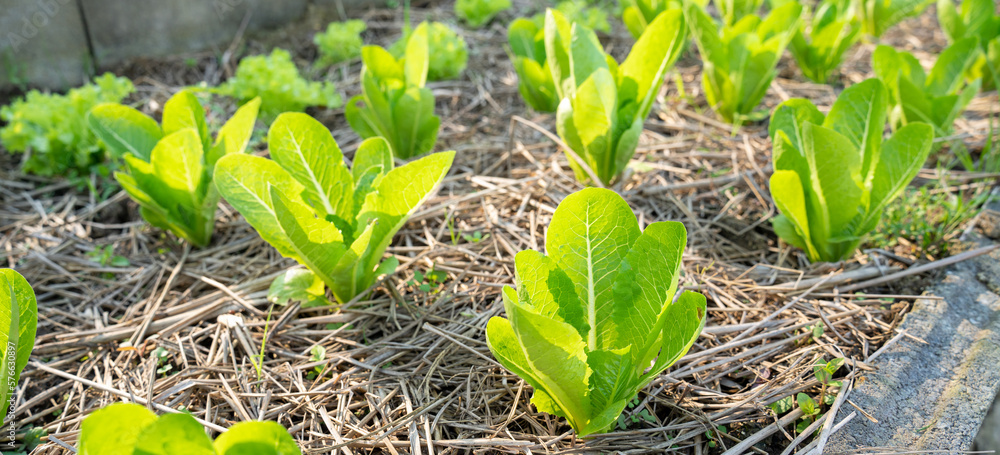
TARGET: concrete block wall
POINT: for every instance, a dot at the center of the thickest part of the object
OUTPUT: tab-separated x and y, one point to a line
57	44
43	43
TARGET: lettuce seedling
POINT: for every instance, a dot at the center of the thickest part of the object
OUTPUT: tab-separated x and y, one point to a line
394	103
534	78
740	61
975	18
169	171
833	175
877	16
637	14
18	323
820	49
733	11
51	130
335	221
595	320
131	429
276	81
448	48
936	98
340	42
603	105
476	13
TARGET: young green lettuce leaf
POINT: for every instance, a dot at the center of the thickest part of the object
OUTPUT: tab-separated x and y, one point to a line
170	166
603	104
594	321
534	78
335	221
637	14
877	16
448	50
820	49
834	175
740	61
131	429
275	79
476	13
936	98
340	42
733	11
975	18
18	323
394	104
51	129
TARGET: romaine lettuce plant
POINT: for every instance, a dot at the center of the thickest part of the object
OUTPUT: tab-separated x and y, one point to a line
733	11
637	14
51	130
975	18
877	16
448	49
740	61
335	221
131	429
603	105
394	103
18	322
169	172
595	320
340	42
936	98
820	49
276	80
534	78
476	13
833	175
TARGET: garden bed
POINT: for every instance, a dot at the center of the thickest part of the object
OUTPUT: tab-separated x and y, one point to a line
409	369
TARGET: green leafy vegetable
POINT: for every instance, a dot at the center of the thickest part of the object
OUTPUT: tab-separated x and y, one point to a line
595	320
824	371
831	33
534	78
936	98
808	406
341	42
51	130
740	61
18	322
580	12
975	18
275	79
298	285
130	429
733	11
603	105
335	221
477	13
448	50
170	167
877	16
637	14
833	175
263	438
394	103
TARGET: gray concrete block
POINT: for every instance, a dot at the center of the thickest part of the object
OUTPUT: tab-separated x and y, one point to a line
346	9
933	395
122	29
43	44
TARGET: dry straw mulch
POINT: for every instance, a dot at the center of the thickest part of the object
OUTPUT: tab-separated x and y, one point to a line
409	371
